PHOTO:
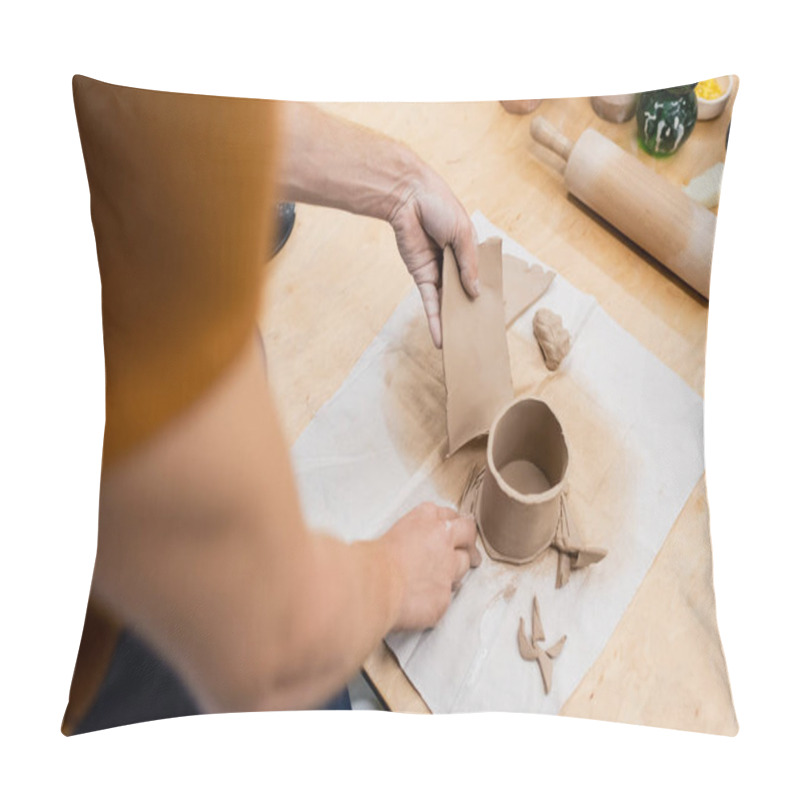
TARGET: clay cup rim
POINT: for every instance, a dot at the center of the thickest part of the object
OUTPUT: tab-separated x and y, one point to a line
527	499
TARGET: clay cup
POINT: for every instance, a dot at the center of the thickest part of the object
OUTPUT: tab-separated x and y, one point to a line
519	502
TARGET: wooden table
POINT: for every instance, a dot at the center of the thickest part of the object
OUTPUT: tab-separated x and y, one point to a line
340	277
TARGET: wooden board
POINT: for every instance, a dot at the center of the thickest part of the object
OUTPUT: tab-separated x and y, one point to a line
340	277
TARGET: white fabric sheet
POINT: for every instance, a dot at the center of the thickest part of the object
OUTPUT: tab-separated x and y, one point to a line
635	432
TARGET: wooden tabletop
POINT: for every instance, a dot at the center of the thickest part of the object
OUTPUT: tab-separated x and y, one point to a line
339	278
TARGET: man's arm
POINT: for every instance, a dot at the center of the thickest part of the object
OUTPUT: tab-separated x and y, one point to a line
329	161
203	549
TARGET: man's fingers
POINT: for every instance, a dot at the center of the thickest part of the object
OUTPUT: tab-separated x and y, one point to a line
465	248
430	302
475	557
461	566
465	538
464	531
446	514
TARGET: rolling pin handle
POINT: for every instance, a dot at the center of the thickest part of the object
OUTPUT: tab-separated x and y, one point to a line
546	134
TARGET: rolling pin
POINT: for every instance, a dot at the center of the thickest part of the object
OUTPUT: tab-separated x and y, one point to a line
639	203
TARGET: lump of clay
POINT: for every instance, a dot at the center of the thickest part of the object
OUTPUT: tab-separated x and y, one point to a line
552	336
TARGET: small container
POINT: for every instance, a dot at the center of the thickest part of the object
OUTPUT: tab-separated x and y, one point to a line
711	109
520	106
614	107
666	118
526	470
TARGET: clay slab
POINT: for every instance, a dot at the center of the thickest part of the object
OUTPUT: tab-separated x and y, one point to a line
477	370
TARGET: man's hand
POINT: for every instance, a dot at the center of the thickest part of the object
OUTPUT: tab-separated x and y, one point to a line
328	161
427	219
430	550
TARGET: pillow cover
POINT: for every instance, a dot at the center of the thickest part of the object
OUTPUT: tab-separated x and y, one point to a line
596	218
181	189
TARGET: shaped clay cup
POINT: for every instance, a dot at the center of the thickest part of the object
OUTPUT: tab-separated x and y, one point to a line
527	459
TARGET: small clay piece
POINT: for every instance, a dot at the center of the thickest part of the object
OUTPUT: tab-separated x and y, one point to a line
572	554
531	651
519	498
527	649
552	336
523	285
614	107
520	106
469	497
563	570
477	369
538	628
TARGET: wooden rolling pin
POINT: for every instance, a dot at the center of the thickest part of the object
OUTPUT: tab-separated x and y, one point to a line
641	204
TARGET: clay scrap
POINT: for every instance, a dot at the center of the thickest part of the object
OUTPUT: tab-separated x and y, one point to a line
468	503
552	336
530	650
523	285
477	368
572	554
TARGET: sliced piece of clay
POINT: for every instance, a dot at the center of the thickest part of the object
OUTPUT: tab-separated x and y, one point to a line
546	667
587	556
469	497
531	651
556	649
572	553
563	571
538	628
523	285
527	650
564	540
545	659
552	336
474	348
516	526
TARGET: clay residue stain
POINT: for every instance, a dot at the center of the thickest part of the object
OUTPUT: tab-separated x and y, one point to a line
602	468
414	398
510	591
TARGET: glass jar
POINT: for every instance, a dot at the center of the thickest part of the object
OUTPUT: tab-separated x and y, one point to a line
665	119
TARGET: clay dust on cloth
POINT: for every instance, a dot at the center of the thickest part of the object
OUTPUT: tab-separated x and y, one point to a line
635	434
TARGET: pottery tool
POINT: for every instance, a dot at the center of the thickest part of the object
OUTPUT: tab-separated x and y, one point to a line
642	205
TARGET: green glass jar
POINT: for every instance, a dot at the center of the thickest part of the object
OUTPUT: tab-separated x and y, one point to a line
666	118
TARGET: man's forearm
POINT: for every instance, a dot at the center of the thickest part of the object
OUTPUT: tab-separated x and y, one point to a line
204	551
329	161
349	600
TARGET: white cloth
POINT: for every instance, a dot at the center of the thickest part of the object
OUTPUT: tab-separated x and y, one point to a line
635	432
